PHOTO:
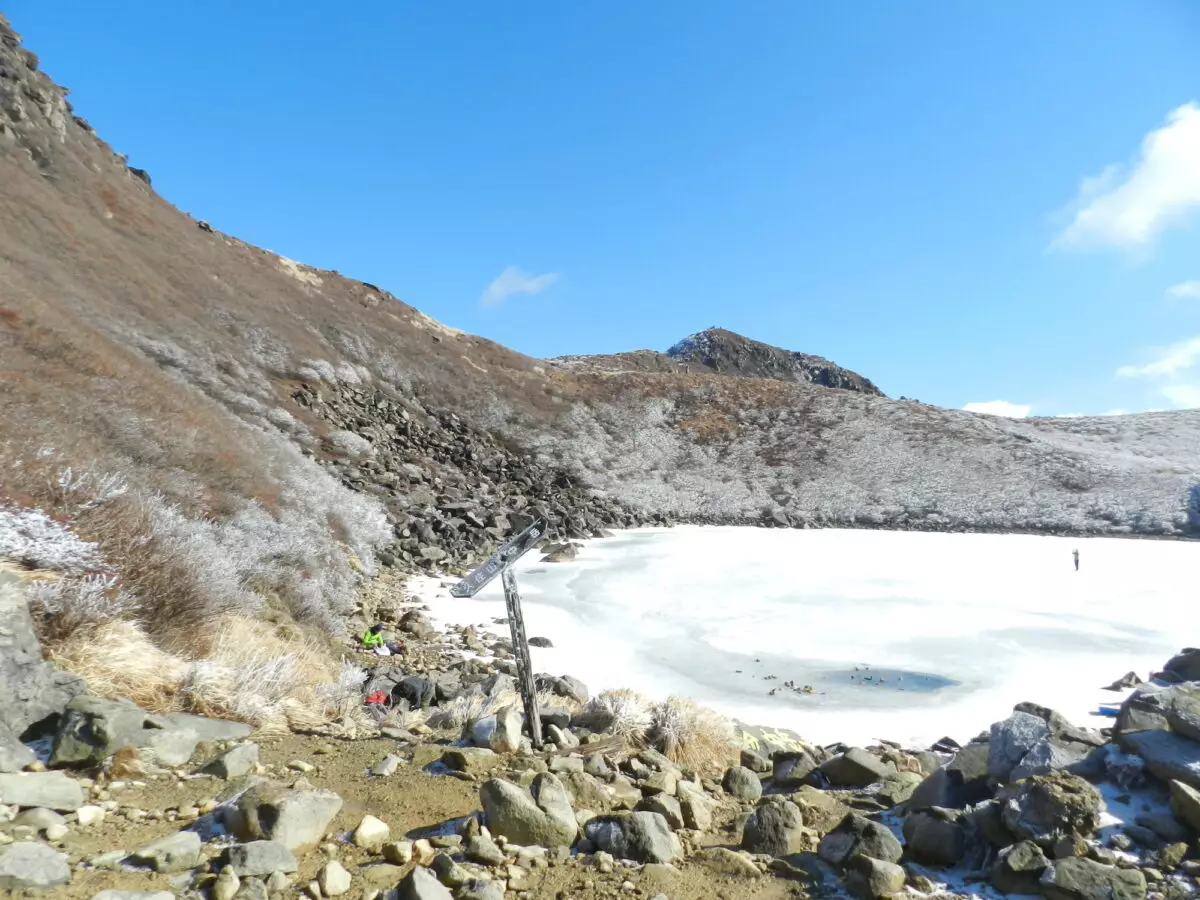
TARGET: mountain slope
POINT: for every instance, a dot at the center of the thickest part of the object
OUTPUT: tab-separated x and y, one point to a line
723	352
253	409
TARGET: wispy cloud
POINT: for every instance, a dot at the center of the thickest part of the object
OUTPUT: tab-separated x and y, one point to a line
1127	207
1186	290
1000	408
513	281
1168	363
1175	370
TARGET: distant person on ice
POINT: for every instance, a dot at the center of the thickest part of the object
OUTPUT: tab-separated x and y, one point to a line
1075	553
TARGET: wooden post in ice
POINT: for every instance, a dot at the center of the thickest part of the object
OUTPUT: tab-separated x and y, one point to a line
500	563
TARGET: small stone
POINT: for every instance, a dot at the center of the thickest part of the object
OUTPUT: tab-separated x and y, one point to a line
226	885
371	833
333	879
175	853
57	832
483	850
299	765
387	766
398	852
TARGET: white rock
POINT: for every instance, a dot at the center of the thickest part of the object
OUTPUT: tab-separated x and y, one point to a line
89	815
371	833
333	879
57	832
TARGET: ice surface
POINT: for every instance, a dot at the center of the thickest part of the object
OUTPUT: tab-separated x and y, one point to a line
904	636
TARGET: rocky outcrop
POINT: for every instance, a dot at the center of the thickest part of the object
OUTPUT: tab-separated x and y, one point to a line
31	691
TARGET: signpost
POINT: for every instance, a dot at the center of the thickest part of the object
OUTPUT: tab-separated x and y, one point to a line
500	563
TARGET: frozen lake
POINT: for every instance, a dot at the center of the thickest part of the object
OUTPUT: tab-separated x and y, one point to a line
902	636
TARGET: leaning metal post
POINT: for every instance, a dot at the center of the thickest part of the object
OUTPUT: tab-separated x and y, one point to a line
500	563
516	627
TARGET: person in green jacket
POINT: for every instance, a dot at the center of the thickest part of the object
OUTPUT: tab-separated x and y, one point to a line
373	637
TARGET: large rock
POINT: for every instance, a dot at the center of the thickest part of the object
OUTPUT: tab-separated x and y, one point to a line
506	738
1184	666
641	836
422	884
169	744
207	728
1046	808
856	768
1185	803
871	879
1019	868
586	792
235	762
51	790
792	769
29	866
91	730
31	691
1082	879
742	784
935	836
14	756
696	805
1011	740
1168	756
1155	708
1036	740
822	811
175	853
543	817
776	828
272	812
857	836
261	858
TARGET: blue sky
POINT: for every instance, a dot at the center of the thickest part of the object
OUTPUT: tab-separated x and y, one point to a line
966	202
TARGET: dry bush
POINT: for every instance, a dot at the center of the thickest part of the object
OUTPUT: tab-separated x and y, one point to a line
623	713
692	735
247	670
461	713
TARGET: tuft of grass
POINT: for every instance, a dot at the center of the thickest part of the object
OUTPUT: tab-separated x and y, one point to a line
692	735
624	713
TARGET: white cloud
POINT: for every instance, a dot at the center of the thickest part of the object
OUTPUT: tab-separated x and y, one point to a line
513	281
1176	371
1169	363
1115	412
1127	207
1186	396
1187	290
1000	408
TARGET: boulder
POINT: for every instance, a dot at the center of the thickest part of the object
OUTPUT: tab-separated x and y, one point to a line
935	836
483	850
1019	868
1010	741
667	807
91	730
14	756
175	853
506	737
260	858
856	768
472	760
873	879
542	815
51	790
30	866
371	834
822	811
696	805
857	836
1184	666
31	691
448	872
234	762
587	792
1045	808
640	836
742	784
1167	756
898	788
1185	803
170	746
478	889
1083	879
294	818
792	769
755	761
776	828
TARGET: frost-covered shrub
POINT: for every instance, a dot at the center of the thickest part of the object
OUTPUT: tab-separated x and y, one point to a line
349	443
32	538
63	605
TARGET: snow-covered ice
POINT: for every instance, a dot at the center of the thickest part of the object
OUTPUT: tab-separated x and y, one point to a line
903	636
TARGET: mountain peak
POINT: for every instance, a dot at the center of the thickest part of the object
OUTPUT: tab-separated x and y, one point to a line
726	352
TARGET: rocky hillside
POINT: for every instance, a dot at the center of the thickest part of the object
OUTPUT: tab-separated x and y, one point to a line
722	352
227	429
